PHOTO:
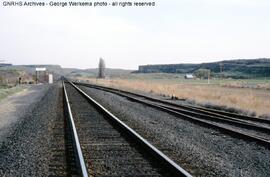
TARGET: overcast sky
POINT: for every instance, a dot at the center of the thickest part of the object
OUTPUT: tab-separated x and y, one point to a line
175	31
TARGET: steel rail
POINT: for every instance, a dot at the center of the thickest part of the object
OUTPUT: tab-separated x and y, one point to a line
80	160
229	120
174	168
213	112
237	133
205	115
219	127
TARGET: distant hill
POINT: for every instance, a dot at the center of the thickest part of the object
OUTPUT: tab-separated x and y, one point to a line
10	74
5	64
94	72
57	70
240	68
31	69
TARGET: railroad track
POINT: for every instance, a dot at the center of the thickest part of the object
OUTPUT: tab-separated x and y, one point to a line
104	146
245	127
76	164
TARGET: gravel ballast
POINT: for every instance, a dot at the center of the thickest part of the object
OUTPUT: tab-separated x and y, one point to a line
107	149
15	106
200	150
29	147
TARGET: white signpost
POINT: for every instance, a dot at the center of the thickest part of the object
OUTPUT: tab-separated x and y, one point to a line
50	78
40	69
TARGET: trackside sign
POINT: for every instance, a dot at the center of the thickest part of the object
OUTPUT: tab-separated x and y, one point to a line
40	69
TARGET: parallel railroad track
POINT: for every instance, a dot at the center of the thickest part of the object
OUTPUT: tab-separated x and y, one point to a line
248	128
105	146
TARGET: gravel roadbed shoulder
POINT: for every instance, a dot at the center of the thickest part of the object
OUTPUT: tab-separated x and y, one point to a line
15	106
27	149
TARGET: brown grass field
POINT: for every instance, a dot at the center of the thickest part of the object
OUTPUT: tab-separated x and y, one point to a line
230	94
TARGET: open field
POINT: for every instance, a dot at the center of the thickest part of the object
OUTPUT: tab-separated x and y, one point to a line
247	95
4	92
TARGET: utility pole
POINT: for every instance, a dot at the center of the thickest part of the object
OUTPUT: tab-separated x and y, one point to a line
265	73
209	76
36	76
221	70
1	78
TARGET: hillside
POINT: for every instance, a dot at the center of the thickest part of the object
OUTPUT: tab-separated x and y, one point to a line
11	74
111	72
242	68
31	69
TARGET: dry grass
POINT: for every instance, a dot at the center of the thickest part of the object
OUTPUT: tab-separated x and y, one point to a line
9	91
252	100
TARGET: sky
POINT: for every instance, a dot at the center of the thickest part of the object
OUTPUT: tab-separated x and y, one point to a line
174	31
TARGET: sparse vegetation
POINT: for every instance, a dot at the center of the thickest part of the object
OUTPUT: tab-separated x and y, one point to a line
248	100
6	91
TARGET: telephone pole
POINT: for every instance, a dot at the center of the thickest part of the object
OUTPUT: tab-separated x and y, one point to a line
209	76
221	72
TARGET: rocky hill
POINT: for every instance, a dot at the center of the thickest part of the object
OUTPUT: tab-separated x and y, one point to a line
241	68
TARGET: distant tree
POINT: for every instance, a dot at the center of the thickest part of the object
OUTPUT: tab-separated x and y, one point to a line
101	68
202	73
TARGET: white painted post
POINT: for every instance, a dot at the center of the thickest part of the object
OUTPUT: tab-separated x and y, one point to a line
50	78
